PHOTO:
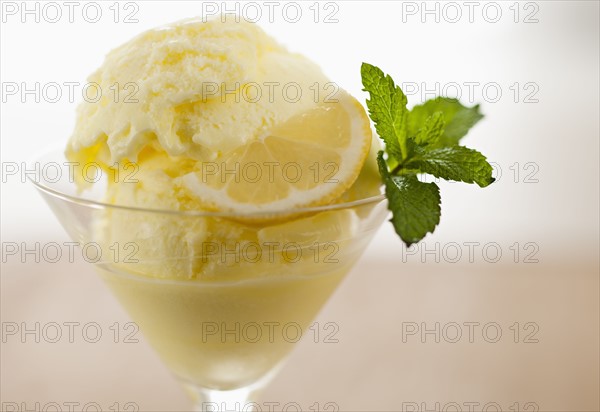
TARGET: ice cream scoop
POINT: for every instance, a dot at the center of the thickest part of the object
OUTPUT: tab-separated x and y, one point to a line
193	89
222	97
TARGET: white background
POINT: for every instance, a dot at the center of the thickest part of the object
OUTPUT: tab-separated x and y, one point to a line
559	133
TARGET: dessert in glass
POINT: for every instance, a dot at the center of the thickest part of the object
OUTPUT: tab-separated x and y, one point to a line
239	186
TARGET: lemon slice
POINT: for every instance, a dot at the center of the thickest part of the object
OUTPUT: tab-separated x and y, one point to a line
309	160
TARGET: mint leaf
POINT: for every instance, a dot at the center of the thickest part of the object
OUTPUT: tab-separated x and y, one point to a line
459	119
432	130
424	140
457	163
415	205
387	109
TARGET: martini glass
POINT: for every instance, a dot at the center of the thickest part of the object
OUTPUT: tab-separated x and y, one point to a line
222	312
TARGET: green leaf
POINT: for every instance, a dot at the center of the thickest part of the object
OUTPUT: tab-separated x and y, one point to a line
432	130
387	109
424	140
415	205
459	119
453	163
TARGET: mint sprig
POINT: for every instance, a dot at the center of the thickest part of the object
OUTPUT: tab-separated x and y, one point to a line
415	205
456	163
424	140
387	109
459	119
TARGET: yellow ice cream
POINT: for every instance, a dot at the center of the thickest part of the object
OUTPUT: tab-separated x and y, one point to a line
177	98
194	89
187	96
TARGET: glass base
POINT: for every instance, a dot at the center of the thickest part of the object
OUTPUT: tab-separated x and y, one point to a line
212	400
235	400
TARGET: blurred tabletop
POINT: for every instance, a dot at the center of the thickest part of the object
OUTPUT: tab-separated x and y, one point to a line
406	337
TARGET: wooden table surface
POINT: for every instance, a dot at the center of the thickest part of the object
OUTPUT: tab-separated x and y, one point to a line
376	364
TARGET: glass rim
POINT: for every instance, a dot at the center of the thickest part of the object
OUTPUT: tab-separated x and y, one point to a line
95	204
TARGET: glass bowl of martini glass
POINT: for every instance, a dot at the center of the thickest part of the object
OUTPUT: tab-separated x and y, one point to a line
222	297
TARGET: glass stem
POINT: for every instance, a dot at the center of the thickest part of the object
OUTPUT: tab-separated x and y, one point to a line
236	400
